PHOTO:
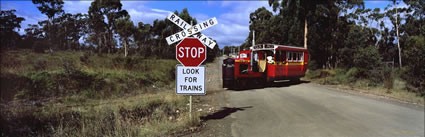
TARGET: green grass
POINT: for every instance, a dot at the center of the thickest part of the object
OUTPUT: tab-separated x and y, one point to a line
73	93
392	86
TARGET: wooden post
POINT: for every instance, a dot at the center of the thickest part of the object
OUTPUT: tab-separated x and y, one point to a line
190	106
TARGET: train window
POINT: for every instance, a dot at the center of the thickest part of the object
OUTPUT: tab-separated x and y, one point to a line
294	56
243	55
277	56
300	57
280	56
288	54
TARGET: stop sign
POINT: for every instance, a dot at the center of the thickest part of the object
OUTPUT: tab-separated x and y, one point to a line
191	52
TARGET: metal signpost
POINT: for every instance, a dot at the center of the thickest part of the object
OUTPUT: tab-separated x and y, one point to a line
191	52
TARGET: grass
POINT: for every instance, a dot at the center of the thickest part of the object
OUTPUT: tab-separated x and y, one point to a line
158	114
74	93
347	80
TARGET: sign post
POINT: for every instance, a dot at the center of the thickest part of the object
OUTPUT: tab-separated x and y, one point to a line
191	52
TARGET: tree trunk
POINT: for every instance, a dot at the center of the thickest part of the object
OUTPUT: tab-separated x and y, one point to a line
99	45
106	44
125	49
398	38
305	32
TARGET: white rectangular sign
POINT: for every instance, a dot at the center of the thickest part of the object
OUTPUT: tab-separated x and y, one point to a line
192	30
186	26
190	80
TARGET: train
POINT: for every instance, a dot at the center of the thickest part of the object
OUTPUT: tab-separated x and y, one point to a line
263	64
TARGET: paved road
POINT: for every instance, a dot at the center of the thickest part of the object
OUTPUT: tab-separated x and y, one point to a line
312	110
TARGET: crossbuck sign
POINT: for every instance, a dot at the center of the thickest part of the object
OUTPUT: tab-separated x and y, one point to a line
189	30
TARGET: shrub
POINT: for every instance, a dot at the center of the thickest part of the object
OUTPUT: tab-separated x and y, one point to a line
312	65
69	66
369	64
40	64
10	84
414	64
352	75
40	84
85	58
40	46
388	78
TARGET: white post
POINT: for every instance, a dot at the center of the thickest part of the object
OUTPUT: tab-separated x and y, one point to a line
253	38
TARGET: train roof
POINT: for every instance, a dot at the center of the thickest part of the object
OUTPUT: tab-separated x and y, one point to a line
275	46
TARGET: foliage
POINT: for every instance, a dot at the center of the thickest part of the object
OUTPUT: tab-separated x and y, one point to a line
8	23
103	32
40	64
369	63
414	72
126	29
80	74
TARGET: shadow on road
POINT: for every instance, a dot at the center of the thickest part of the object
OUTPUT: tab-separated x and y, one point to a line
278	84
224	112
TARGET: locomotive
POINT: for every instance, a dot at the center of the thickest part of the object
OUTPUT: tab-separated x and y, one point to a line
263	64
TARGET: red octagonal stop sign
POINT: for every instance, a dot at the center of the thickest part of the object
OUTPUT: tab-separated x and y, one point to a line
191	52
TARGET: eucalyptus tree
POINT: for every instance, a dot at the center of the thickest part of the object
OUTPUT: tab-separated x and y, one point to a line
9	22
144	38
102	16
393	15
51	8
303	9
259	22
126	30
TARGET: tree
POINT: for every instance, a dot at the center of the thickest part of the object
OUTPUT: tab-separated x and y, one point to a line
126	29
259	22
99	12
69	29
398	38
143	37
51	8
414	72
302	8
392	14
8	23
32	34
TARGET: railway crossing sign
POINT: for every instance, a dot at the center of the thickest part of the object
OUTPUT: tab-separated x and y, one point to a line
189	30
191	52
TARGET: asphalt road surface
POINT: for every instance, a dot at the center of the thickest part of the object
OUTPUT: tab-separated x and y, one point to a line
306	109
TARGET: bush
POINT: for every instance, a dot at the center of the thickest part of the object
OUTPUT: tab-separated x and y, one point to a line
68	66
40	46
369	64
40	64
85	58
40	84
312	65
10	84
352	75
414	64
388	78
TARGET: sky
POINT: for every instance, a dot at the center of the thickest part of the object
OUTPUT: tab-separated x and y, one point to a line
232	16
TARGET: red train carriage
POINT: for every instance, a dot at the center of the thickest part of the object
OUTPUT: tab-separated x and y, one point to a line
265	63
